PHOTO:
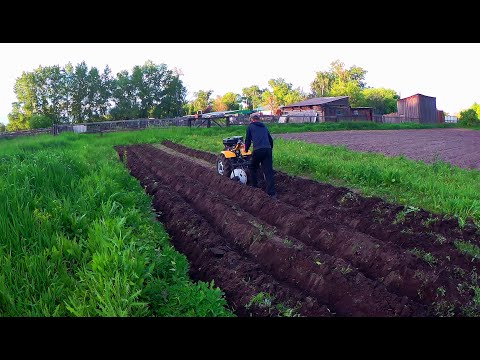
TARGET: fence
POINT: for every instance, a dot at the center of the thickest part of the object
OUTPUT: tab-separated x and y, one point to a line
299	118
205	121
110	126
395	119
245	119
13	134
451	119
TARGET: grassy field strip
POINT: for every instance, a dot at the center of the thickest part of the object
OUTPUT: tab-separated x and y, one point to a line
78	238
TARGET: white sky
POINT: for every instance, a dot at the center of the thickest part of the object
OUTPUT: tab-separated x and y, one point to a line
447	71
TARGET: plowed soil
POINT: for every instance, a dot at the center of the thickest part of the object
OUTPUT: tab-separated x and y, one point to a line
456	146
317	250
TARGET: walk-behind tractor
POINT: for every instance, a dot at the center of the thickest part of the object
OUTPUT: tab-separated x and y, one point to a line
233	161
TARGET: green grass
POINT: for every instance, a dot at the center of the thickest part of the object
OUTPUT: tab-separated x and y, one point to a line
78	236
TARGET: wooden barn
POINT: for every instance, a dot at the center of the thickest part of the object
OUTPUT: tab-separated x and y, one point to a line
327	109
365	113
416	108
324	106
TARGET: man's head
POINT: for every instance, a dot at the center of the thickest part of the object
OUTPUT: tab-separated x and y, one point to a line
255	117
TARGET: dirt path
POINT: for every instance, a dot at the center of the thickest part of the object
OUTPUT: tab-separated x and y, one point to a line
456	146
318	250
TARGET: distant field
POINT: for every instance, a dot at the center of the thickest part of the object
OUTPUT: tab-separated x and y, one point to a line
456	146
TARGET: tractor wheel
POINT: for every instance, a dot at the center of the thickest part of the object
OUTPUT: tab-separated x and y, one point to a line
224	166
239	175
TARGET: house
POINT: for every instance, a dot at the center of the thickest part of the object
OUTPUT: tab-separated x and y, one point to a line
416	108
332	108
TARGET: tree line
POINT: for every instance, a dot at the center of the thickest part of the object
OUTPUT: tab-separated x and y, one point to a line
336	81
78	94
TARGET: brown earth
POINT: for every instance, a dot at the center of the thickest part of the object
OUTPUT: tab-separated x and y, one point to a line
456	146
316	250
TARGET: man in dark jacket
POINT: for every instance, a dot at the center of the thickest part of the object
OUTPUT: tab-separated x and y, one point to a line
258	133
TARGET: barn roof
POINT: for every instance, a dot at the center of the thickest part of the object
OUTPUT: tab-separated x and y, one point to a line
316	101
433	97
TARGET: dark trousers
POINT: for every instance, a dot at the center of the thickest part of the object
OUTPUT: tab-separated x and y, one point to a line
263	157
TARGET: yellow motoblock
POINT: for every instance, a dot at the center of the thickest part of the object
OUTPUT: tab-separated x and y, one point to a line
234	162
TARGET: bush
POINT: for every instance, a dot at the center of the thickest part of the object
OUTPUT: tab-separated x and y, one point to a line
40	122
469	118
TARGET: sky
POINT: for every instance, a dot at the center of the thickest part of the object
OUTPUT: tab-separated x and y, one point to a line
447	71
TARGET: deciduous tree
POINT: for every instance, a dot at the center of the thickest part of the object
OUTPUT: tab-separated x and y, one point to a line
339	81
322	84
253	96
469	118
202	100
382	100
282	93
476	107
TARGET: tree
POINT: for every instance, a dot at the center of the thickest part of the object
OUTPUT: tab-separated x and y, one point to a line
66	92
382	100
253	96
343	75
93	100
78	93
202	100
219	105
469	118
125	107
229	101
26	104
476	107
357	74
322	83
105	91
3	127
173	99
269	99
350	89
149	82
339	81
79	100
47	86
37	93
282	93
17	119
150	90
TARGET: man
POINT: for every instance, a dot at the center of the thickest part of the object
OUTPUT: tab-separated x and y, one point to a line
258	133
